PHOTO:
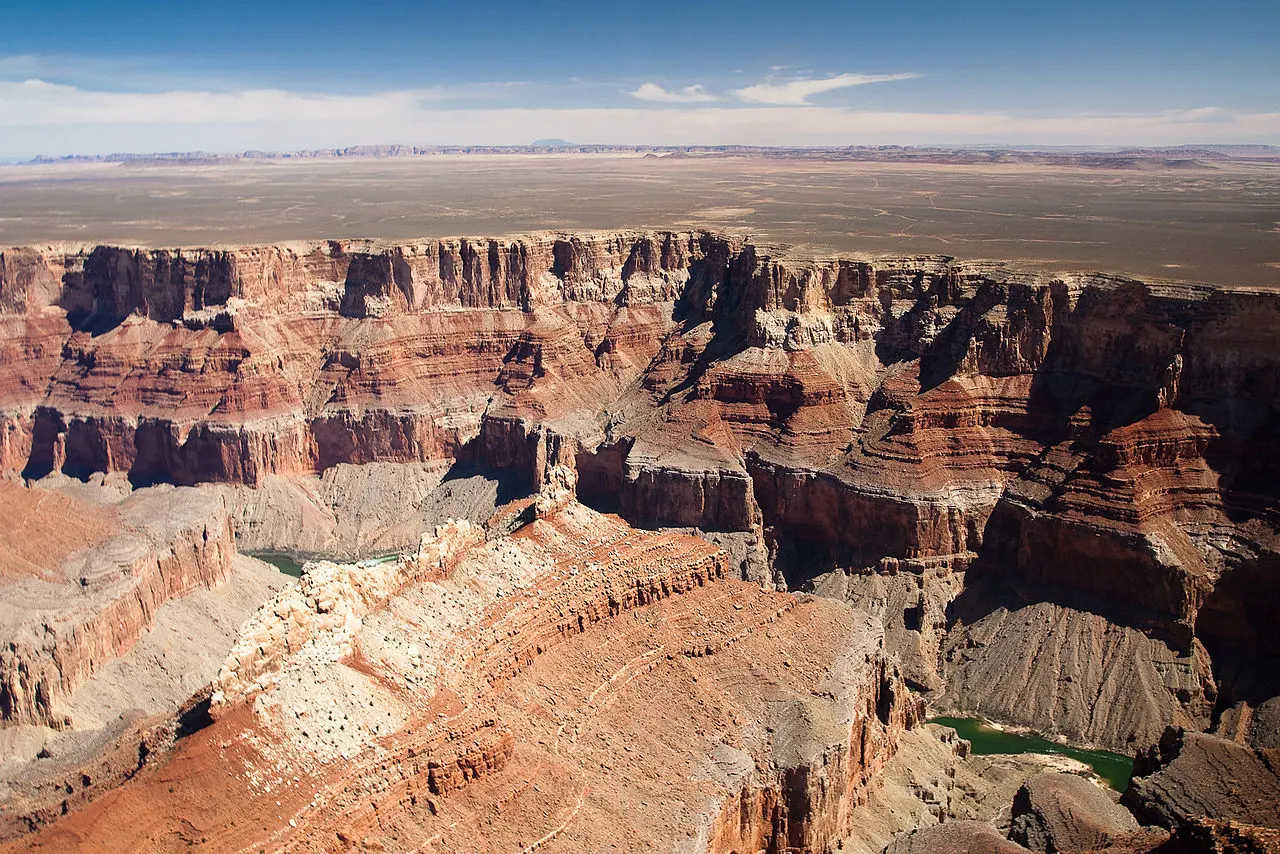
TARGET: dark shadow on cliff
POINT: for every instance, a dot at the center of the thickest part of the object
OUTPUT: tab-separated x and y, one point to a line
95	324
1238	626
511	485
721	347
194	715
801	556
1245	455
81	450
942	359
985	595
601	474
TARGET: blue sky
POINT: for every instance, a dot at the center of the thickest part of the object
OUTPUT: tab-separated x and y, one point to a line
139	75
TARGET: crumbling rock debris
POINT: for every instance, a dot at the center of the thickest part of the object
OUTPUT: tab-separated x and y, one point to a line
326	607
572	683
955	837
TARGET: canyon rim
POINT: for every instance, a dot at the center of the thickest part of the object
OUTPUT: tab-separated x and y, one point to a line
634	539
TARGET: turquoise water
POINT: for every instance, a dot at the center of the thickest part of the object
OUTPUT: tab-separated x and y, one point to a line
290	565
1114	768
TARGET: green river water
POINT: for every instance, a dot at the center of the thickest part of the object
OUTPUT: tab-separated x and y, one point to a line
1114	768
290	565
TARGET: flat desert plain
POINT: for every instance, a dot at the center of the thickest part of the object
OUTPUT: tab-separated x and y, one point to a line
1216	222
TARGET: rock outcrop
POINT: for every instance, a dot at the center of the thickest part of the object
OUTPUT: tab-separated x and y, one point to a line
96	577
194	366
972	447
955	837
1213	794
326	608
570	685
1063	812
128	714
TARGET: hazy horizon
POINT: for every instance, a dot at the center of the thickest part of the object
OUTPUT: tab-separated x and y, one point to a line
82	78
575	147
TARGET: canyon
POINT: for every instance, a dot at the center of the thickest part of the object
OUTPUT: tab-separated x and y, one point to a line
684	534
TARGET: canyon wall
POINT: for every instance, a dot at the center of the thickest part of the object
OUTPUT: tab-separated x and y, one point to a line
203	365
64	623
570	685
958	441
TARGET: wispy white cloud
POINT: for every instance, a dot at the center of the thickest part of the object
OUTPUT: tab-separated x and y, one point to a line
687	95
1205	114
796	93
38	117
36	102
121	73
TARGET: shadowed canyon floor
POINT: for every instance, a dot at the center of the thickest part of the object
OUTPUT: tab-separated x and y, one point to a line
690	530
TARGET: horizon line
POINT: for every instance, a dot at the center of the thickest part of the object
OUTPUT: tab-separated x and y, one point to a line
395	150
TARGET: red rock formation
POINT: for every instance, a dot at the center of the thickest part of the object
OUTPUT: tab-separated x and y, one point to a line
1214	795
91	605
492	704
1104	444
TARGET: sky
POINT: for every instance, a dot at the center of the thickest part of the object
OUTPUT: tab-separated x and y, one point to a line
90	77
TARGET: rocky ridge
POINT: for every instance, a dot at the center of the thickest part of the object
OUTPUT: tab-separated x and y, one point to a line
959	446
94	602
489	697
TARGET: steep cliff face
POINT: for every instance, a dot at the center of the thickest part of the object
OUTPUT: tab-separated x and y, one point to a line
1214	795
191	366
572	685
1102	445
825	769
96	578
1081	441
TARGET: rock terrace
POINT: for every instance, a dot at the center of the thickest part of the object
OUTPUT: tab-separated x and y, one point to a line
986	460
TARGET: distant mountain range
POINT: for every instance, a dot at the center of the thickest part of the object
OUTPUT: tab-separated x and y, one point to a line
1179	155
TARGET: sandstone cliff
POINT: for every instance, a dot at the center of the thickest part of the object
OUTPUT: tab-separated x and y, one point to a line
955	443
94	588
573	684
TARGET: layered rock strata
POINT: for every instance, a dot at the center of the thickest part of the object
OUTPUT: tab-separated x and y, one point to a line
129	713
962	441
1213	794
1064	812
95	579
203	365
576	683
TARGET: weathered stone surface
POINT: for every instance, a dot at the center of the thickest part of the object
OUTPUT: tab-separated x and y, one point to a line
130	711
1063	812
326	608
955	837
571	685
1090	442
91	583
1071	672
1191	782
